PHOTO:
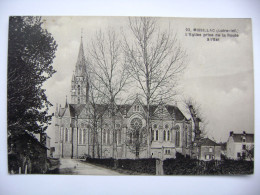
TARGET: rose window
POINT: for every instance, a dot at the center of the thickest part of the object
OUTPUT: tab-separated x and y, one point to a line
136	123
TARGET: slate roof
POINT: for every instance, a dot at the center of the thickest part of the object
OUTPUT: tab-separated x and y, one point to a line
175	111
208	142
76	109
239	137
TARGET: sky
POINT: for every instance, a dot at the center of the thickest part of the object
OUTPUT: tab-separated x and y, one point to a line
219	74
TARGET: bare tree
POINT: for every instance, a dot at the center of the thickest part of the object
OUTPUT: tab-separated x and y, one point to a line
199	120
250	152
109	70
136	140
155	59
96	109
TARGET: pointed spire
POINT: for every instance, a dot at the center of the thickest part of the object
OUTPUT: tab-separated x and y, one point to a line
81	62
66	104
57	110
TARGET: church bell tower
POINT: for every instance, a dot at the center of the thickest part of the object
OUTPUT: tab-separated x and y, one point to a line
80	80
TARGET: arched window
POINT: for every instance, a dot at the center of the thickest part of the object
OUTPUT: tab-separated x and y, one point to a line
116	136
119	136
80	136
177	138
169	135
104	136
84	136
108	136
61	134
140	137
164	135
131	138
152	135
156	135
66	135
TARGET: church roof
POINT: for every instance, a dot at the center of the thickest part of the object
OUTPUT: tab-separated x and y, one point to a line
175	111
76	109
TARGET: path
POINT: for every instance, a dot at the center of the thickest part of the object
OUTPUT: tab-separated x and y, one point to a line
76	167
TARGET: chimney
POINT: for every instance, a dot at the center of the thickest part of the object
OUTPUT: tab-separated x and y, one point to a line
231	133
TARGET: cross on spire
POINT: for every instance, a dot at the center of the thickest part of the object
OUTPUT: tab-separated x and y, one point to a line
81	33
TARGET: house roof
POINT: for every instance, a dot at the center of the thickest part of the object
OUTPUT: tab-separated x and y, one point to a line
239	137
208	142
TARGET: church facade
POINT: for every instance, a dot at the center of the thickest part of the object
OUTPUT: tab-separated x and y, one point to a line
84	129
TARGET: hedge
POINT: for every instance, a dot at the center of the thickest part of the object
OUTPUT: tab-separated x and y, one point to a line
147	166
138	165
187	166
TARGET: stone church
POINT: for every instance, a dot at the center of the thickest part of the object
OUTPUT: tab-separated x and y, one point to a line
78	133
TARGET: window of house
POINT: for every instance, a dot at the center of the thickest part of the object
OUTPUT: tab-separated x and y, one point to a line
152	134
164	135
78	100
207	157
243	147
243	155
210	150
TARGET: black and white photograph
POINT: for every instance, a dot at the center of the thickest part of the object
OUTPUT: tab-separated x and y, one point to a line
89	95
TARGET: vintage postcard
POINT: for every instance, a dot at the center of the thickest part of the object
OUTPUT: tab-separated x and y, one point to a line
130	96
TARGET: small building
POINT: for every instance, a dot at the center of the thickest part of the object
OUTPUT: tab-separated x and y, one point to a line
206	149
27	155
240	146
